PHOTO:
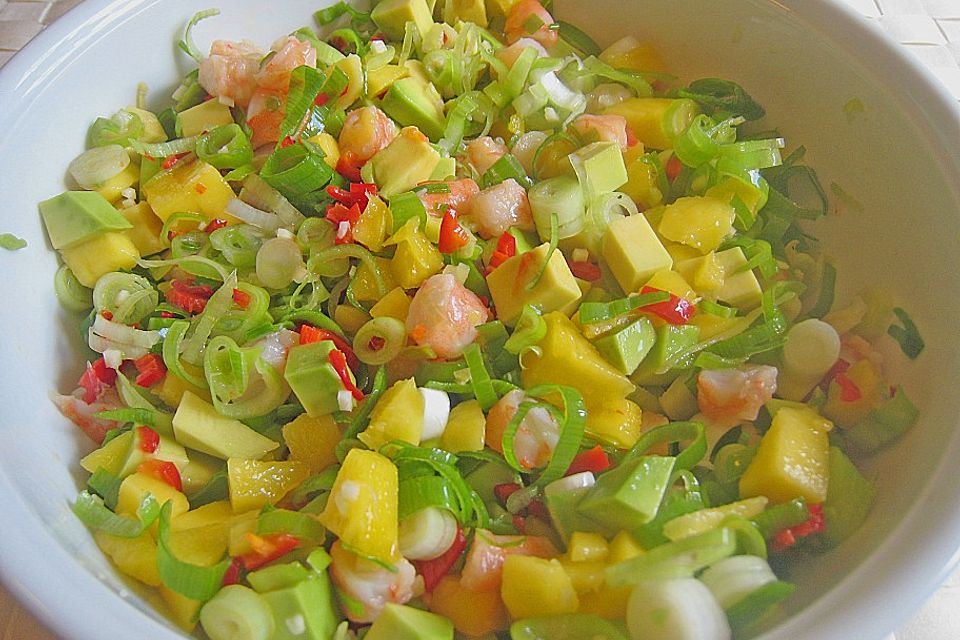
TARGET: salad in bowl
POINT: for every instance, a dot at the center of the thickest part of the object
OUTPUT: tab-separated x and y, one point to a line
444	320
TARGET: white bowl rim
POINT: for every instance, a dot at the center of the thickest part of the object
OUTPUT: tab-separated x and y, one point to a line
78	606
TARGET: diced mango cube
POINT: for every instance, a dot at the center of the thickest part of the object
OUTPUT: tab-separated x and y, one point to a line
113	188
474	613
672	282
864	376
255	483
184	611
313	440
136	557
585	546
136	486
697	222
190	186
737	286
364	284
617	422
145	233
203	117
328	144
374	224
509	284
416	258
111	251
466	428
535	587
398	416
396	304
173	387
623	547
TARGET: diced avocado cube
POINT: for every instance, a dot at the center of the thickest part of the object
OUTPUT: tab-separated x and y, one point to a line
740	288
626	348
671	341
75	216
400	622
99	255
392	16
556	290
278	576
633	251
313	379
109	457
404	163
629	495
413	101
167	450
474	11
565	515
849	498
600	168
203	117
446	169
304	611
197	425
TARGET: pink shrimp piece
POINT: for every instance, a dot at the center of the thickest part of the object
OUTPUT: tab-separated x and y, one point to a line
458	195
516	25
444	316
365	132
500	207
483	569
483	152
370	584
608	128
265	115
536	437
290	53
509	55
84	415
728	396
229	71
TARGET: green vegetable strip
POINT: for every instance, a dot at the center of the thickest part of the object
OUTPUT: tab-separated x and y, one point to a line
578	39
749	539
908	336
217	488
106	485
225	147
679	559
572	425
93	513
164	149
825	295
297	170
458	117
194	582
781	516
592	312
631	79
121	128
503	169
300	525
305	85
72	295
171	354
884	424
328	15
362	416
202	326
692	432
426	491
529	330
742	614
11	242
554	245
186	44
480	380
351	251
139	417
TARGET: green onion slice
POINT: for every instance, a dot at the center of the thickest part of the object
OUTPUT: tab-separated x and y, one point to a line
93	512
190	580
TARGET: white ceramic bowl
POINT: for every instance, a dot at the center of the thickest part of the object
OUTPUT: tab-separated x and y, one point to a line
802	59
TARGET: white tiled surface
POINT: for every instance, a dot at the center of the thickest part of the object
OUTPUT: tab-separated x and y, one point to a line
928	28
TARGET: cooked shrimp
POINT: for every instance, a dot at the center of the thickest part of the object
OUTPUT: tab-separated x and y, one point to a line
228	73
516	25
444	316
289	53
265	115
525	148
85	415
483	152
458	193
608	128
727	396
500	207
370	584
483	569
365	132
276	346
536	437
509	55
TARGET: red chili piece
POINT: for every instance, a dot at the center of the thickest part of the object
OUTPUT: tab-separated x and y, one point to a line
849	391
453	237
585	270
241	298
267	549
789	537
151	370
593	460
95	378
233	573
321	99
338	214
148	439
504	491
349	166
189	297
676	310
632	139
506	249
169	161
434	570
339	363
286	142
673	168
162	470
309	333
215	224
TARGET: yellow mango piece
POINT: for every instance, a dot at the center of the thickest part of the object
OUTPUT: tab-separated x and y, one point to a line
656	121
190	186
136	486
609	602
353	67
465	429
672	282
398	416
110	456
556	290
792	460
184	611
846	413
690	524
113	188
643	184
362	509
255	483
623	547
416	258
697	222
203	546
219	512
145	233
239	526
535	587
153	131
330	147
719	276
709	274
374	224
173	387
379	80
711	325
396	304
569	359
474	613
199	470
630	53
618	422
585	576
730	186
136	557
110	251
350	318
203	117
312	440
364	285
585	546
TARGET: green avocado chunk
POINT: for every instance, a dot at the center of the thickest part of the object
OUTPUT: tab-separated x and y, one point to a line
312	378
404	163
197	425
399	622
626	348
672	340
304	611
278	576
392	17
408	101
75	216
629	495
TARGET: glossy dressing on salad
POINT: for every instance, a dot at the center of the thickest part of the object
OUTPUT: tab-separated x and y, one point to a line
449	322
